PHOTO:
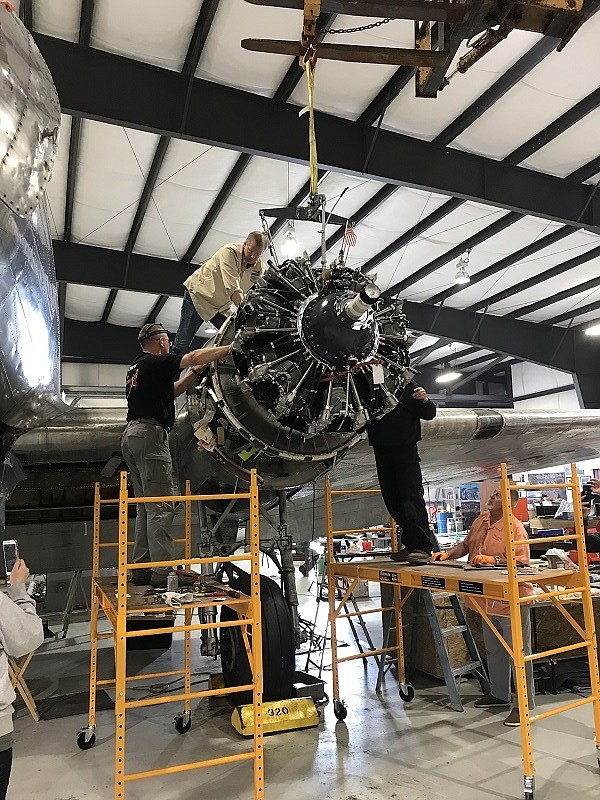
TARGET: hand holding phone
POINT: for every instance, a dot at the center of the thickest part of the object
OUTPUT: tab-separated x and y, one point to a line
19	573
10	550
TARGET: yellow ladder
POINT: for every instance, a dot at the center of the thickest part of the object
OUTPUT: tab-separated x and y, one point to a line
556	596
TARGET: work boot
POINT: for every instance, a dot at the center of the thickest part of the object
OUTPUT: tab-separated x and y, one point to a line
141	577
418	557
401	555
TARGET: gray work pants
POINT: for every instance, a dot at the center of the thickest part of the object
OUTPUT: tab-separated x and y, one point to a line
145	447
500	664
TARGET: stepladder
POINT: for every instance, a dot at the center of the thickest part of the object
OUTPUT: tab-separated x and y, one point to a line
422	606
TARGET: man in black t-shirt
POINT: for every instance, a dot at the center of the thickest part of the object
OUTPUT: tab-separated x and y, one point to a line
394	440
151	388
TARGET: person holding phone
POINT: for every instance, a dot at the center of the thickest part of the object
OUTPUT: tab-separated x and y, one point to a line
21	632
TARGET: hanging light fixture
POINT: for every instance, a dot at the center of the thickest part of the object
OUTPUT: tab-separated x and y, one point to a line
448	376
594	330
462	275
290	247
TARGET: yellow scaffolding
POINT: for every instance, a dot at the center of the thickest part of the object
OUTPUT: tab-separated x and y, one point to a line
488	584
113	599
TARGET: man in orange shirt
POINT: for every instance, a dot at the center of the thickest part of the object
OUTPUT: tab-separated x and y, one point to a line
485	545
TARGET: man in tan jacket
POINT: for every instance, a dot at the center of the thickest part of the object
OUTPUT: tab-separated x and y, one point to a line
222	280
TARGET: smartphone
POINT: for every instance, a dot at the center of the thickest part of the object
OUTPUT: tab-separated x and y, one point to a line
11	554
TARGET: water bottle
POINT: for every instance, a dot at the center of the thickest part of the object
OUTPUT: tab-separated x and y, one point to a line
172	581
343	546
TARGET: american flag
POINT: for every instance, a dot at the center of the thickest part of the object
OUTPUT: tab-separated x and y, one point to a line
350	237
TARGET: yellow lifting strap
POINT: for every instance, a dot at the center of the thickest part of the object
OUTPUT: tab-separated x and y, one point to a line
308	66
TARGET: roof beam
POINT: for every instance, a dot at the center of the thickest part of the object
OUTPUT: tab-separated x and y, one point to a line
387	95
99	85
555	298
504	263
217	205
439	362
378	198
539	343
455	252
101	343
553	272
575	312
498	89
99	266
587	171
550	132
438	215
471	376
190	64
86	19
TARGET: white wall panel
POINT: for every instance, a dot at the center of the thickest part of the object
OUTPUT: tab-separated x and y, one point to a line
59	18
563	401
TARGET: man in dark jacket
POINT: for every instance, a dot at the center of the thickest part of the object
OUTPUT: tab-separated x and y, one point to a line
394	441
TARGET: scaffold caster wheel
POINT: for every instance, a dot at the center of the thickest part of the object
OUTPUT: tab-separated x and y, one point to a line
183	722
528	788
339	709
406	692
86	739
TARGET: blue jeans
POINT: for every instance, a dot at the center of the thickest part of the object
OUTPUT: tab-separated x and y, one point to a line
189	322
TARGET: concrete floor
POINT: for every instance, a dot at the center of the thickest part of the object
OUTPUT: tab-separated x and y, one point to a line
384	749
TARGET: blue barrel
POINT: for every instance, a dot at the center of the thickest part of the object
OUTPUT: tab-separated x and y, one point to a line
442	521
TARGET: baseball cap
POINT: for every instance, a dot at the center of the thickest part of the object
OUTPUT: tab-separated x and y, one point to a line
151	329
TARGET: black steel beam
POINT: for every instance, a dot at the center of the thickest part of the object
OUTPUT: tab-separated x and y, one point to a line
587	171
149	184
455	252
420	355
560	348
390	91
544	392
86	19
190	64
508	261
217	206
108	306
99	85
157	308
101	343
471	376
99	266
498	89
575	312
550	132
438	215
553	272
448	359
367	208
554	298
